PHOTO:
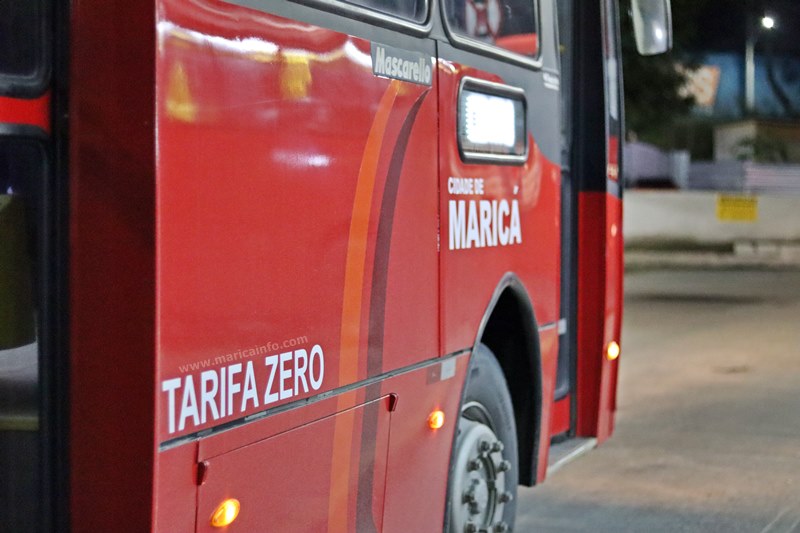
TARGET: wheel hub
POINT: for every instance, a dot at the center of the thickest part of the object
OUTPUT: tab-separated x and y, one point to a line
479	489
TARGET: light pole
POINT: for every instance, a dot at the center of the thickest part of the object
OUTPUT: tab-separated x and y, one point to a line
767	23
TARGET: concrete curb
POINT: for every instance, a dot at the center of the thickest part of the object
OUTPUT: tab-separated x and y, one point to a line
764	257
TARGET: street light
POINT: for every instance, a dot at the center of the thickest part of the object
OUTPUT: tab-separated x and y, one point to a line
768	23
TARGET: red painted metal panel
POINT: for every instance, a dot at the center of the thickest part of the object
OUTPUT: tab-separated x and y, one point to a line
419	457
283	482
414	465
469	276
175	489
613	314
297	214
112	275
599	294
560	419
29	112
294	211
591	304
549	346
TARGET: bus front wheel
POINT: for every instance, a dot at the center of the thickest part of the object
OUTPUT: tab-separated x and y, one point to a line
484	474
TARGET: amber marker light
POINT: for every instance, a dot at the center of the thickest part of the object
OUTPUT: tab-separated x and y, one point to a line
226	513
436	419
612	350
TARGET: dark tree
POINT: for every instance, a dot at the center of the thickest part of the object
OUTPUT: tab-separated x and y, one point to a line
653	100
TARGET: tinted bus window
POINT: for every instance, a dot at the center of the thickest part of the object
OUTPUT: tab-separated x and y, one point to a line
21	43
413	10
509	24
21	172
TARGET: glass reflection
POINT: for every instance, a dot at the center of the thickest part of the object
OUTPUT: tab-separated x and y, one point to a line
21	170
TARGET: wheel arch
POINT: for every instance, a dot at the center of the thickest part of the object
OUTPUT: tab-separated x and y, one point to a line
510	330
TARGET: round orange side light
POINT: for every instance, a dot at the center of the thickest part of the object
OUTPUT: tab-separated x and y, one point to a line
226	513
436	419
612	350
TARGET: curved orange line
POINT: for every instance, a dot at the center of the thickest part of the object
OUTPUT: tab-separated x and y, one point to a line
350	335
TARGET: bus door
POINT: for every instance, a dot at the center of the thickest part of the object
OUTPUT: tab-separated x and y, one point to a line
28	263
499	169
594	149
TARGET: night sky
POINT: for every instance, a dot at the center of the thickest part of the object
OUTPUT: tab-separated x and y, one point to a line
720	25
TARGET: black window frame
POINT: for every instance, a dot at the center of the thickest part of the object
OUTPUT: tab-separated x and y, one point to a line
465	42
36	84
493	89
47	285
375	17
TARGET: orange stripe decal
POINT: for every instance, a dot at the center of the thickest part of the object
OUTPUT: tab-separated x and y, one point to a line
351	312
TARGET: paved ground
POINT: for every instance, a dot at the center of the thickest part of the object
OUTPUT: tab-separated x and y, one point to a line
708	426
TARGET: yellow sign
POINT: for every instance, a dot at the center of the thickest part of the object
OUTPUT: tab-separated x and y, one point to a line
732	208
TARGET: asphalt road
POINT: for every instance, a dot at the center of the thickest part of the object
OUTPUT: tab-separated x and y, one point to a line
708	420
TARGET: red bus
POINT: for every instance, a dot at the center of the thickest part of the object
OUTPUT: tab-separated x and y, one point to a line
315	266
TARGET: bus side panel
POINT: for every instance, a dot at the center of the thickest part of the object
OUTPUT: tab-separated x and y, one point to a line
297	213
297	248
416	457
471	271
599	294
419	457
613	312
470	274
548	341
280	487
175	493
112	276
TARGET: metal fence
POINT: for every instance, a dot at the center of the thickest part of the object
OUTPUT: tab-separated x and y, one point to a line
645	166
745	176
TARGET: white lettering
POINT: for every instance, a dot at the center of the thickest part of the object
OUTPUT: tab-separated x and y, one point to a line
286	373
272	363
503	229
417	70
170	386
516	230
214	394
486	223
300	371
233	388
249	392
189	404
473	236
222	402
458	224
380	57
494	222
481	223
316	381
207	395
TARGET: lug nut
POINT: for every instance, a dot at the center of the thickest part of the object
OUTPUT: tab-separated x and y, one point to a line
498	446
468	497
484	446
502	527
469	527
473	465
504	466
505	497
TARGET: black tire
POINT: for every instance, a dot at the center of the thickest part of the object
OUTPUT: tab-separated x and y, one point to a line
486	404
